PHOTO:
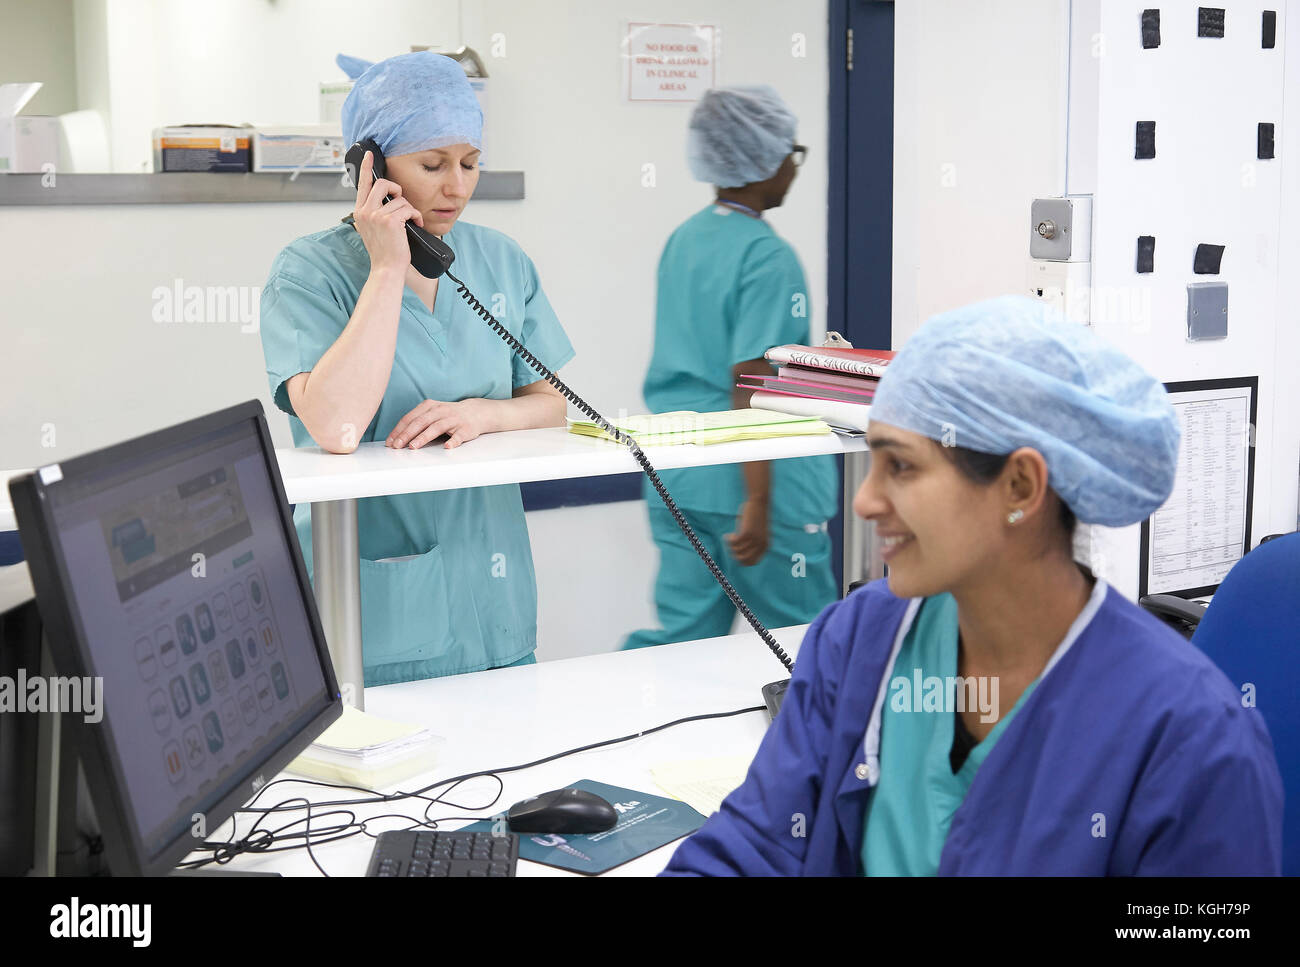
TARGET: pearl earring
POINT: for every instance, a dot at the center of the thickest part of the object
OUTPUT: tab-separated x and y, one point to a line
1015	516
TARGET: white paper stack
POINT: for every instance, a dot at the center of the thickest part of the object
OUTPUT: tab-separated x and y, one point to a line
363	750
849	416
701	783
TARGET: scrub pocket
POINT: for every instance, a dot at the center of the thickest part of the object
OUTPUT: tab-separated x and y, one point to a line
404	609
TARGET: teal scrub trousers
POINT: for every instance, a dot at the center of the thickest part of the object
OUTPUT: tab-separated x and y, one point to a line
790	585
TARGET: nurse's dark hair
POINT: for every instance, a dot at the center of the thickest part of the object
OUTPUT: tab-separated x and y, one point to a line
983	468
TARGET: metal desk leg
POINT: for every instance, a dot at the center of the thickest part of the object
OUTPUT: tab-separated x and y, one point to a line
861	551
336	569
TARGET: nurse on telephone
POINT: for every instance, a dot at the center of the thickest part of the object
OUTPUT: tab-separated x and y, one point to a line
361	348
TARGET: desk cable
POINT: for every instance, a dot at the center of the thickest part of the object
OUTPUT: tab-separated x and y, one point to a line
261	840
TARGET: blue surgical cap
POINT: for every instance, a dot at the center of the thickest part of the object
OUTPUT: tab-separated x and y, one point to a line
409	103
739	135
1012	372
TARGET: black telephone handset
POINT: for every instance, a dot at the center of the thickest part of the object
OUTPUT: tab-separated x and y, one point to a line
1182	614
432	258
430	255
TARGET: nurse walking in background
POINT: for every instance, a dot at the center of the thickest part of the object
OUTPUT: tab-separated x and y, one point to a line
362	348
729	289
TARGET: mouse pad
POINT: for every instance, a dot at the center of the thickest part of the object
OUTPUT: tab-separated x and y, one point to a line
645	822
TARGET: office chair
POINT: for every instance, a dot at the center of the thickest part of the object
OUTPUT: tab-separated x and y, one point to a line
1251	630
1181	614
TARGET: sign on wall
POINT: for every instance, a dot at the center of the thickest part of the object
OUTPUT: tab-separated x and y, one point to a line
670	62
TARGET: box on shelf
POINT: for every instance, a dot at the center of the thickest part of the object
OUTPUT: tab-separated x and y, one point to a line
298	147
477	75
27	142
332	96
203	147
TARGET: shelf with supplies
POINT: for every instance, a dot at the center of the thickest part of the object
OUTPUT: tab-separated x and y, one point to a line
180	187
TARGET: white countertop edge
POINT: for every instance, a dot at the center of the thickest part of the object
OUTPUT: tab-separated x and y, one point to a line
311	474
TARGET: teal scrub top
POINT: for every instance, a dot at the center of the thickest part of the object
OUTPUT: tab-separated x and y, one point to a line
729	289
912	806
461	594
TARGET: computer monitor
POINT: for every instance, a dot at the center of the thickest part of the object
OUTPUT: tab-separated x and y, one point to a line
20	650
171	585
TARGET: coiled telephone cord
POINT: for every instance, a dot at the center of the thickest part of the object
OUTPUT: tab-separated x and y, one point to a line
631	444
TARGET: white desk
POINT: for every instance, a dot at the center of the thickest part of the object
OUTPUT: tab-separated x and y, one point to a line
313	475
332	483
510	716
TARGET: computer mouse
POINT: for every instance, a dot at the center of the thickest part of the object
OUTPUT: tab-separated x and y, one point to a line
562	811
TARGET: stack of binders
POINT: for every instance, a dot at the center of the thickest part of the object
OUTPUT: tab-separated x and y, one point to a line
834	385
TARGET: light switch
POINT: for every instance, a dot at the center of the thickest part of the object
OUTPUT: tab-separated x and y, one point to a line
1207	311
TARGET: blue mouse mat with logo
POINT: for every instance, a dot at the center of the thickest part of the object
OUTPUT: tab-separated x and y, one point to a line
645	822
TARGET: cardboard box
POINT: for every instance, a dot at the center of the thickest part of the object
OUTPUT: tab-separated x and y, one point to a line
203	147
332	96
27	143
298	147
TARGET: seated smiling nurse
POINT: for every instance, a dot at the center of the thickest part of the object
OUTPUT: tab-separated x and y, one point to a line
994	708
361	348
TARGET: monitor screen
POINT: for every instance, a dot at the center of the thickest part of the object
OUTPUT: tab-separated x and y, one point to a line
194	615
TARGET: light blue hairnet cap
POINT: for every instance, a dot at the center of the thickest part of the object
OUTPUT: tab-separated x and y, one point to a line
1012	372
354	67
409	103
739	135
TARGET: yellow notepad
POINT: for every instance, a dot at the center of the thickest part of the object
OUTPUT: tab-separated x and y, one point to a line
701	783
369	751
687	426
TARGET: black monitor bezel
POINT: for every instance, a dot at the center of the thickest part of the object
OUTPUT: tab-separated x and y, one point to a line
69	649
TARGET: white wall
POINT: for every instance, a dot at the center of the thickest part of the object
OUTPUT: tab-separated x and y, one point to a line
86	365
979	131
90	28
596	567
36	45
181	62
1286	350
1204	185
592	228
984	88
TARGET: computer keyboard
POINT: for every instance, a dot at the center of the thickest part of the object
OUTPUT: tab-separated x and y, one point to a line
410	852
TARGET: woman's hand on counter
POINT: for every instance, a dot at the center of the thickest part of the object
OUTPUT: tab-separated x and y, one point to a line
462	421
537	405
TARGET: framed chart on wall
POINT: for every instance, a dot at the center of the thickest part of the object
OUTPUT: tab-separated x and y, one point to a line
1203	529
